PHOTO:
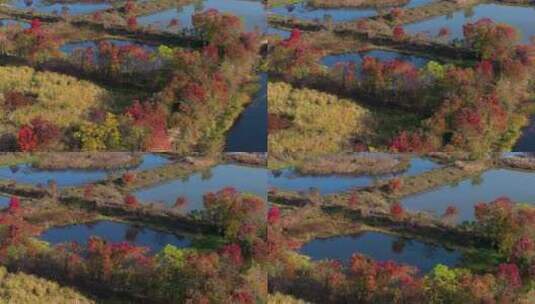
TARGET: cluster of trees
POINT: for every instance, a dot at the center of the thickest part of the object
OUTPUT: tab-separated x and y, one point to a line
364	280
228	270
201	91
465	108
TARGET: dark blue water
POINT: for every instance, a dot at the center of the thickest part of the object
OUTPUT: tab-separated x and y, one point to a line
245	179
11	22
382	247
249	133
327	184
115	232
4	201
526	142
381	55
275	31
26	174
517	185
73	9
252	14
302	11
523	18
69	48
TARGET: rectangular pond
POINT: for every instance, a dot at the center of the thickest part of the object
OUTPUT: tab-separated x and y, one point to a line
290	180
381	55
115	232
251	13
303	11
521	17
516	185
382	247
244	179
51	7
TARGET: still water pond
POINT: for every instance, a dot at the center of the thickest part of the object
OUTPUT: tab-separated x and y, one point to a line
252	14
69	48
382	247
4	201
244	179
249	133
26	174
517	185
115	232
303	11
47	7
12	22
290	180
381	55
523	18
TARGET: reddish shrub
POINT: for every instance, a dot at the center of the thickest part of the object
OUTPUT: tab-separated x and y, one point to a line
129	177
14	204
131	201
397	211
273	215
395	184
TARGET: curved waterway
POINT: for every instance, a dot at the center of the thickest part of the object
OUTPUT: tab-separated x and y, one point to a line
249	133
244	179
290	180
514	184
382	247
115	232
26	174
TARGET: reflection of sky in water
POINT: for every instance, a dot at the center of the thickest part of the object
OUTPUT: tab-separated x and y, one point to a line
26	174
69	48
251	13
517	185
302	11
73	9
244	179
287	179
356	58
382	247
4	201
114	232
249	133
523	18
10	22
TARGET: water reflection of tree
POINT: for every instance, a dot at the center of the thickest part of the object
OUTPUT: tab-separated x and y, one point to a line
477	180
206	174
132	233
398	245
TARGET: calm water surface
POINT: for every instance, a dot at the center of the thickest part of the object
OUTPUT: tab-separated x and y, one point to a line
382	55
252	14
382	247
523	18
517	185
73	9
26	174
290	180
249	133
302	11
115	232
245	179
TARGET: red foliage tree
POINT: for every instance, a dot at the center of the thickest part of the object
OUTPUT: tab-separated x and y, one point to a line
398	33
397	211
129	177
14	204
273	215
131	201
395	184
